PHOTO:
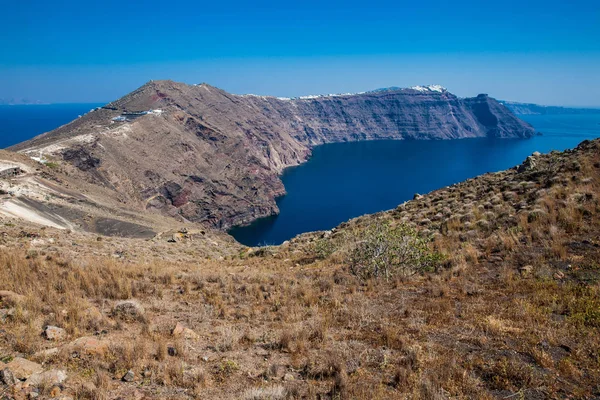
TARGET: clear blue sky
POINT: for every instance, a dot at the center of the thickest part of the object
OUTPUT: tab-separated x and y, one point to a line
545	52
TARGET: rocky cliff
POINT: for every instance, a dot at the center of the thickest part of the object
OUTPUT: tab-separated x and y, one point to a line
199	153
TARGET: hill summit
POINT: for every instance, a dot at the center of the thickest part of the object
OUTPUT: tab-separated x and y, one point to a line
199	153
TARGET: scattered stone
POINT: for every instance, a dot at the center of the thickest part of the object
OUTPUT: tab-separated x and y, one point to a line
528	165
50	378
526	270
7	377
559	275
11	298
22	368
55	391
129	376
129	310
288	377
90	346
33	395
43	354
54	333
176	238
182	331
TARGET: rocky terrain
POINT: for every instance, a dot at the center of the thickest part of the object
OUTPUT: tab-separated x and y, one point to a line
490	290
200	154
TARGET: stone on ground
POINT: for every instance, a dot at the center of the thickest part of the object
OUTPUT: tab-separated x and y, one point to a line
23	369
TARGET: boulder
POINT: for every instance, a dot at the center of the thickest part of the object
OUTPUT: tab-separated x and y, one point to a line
49	378
11	298
128	377
526	270
528	165
47	353
90	346
22	368
559	275
7	377
54	333
129	310
182	331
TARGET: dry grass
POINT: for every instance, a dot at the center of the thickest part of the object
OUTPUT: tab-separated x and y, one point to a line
286	323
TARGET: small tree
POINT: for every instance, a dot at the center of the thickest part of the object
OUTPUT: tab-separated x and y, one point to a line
385	251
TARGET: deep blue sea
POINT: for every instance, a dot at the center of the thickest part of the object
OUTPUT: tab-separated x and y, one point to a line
19	123
346	180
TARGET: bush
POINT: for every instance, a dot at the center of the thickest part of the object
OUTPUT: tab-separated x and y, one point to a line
386	251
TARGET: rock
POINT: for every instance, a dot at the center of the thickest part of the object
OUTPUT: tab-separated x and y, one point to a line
49	378
172	351
43	354
55	391
129	310
7	377
23	369
559	275
417	196
89	346
128	377
288	377
528	165
526	270
55	333
11	298
176	238
182	331
33	395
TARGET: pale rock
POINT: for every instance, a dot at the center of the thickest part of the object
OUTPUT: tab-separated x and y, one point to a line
55	333
90	346
129	310
22	368
11	298
182	331
7	377
128	377
50	378
526	270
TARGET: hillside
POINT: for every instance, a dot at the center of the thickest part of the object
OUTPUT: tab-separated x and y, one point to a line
205	155
492	292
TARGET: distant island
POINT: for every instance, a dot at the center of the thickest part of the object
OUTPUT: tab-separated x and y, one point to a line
20	102
536	109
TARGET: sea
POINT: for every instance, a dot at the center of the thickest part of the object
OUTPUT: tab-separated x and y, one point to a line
22	122
345	180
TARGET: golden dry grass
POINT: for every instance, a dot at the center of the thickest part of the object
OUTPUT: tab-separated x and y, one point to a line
287	322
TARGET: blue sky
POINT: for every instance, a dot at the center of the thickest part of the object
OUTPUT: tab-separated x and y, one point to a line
546	52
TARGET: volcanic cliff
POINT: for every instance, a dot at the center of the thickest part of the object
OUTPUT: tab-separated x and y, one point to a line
201	154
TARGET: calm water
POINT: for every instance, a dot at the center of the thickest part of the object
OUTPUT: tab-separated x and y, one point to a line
345	180
19	123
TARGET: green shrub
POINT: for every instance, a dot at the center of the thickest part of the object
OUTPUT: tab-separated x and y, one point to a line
385	251
322	248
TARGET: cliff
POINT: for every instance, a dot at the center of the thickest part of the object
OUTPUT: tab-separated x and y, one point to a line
201	154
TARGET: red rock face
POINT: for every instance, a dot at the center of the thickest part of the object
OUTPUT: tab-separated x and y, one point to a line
211	156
